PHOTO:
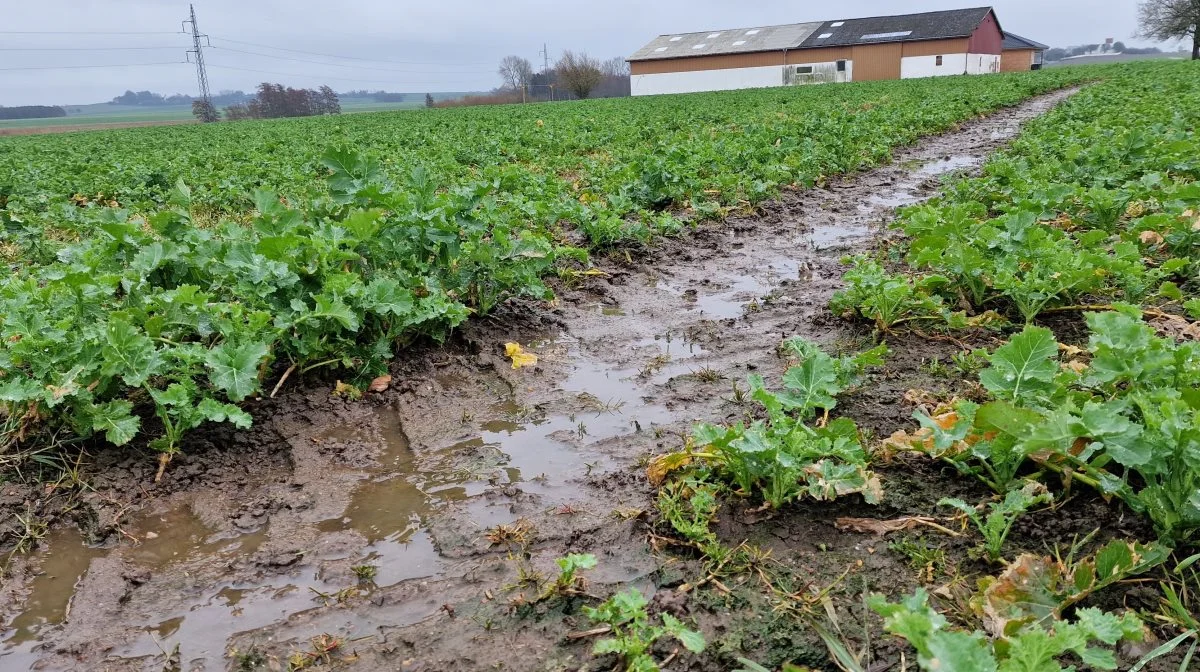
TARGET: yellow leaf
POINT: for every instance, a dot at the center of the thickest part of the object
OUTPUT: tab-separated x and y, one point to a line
1069	350
1075	365
518	355
346	390
1151	238
663	465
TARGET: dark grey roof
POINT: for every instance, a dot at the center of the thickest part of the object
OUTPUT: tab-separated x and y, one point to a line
1014	41
732	41
944	25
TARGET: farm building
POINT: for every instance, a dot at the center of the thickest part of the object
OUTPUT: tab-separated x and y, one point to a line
1021	54
954	42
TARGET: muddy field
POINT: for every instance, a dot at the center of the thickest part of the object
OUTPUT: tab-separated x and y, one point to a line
247	550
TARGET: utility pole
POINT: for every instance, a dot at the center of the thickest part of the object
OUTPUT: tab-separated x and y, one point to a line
546	67
208	112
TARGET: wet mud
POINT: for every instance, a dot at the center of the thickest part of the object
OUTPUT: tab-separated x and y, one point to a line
468	476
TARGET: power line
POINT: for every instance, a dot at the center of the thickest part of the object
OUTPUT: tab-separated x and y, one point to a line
86	48
341	65
299	74
89	32
84	66
344	58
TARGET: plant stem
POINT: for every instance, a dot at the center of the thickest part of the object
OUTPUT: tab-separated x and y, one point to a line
1106	307
282	379
319	365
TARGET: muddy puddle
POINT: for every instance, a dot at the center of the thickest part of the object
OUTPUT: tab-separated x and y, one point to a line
539	448
908	191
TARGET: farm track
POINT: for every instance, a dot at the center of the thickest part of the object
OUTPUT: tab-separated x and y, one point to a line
251	535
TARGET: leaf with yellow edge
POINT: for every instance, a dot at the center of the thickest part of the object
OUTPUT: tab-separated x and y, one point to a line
518	355
1040	588
662	466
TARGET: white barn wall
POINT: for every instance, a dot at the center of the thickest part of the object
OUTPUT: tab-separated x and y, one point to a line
926	66
983	64
706	80
728	79
830	66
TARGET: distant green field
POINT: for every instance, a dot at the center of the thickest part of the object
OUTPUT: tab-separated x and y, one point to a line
107	113
95	114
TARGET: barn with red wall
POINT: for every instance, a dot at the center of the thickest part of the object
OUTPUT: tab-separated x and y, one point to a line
930	44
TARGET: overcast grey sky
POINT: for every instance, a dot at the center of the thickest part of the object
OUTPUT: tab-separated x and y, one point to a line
433	45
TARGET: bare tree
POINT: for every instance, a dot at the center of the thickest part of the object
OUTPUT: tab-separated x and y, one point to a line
1171	20
615	67
515	71
204	111
579	73
327	101
237	112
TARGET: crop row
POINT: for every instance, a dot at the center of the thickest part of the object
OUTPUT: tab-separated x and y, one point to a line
1097	199
1096	207
175	269
607	167
1093	211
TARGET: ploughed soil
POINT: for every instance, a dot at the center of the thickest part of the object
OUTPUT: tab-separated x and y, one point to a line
466	478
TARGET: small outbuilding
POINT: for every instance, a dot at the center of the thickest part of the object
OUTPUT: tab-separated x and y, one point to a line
953	42
1021	54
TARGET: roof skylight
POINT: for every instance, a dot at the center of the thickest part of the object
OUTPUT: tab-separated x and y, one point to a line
884	36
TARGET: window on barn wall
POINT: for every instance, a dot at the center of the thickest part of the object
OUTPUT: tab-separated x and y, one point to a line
804	70
939	60
841	66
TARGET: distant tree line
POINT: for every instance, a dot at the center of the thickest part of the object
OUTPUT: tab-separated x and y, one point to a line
383	96
576	75
274	101
151	99
31	112
226	98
